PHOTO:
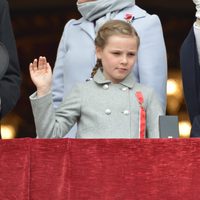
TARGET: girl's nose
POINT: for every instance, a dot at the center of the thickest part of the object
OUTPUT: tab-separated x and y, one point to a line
124	59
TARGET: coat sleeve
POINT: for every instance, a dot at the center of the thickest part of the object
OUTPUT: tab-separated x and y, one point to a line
58	71
190	69
153	111
55	123
190	74
152	59
10	83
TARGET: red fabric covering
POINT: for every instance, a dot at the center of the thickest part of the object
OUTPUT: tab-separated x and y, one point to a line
119	169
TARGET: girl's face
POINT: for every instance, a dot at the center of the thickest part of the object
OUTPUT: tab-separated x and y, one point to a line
83	1
118	57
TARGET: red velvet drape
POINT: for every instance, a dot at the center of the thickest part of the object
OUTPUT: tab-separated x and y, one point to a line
91	169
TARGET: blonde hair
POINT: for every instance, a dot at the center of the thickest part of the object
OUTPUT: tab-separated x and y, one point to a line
110	28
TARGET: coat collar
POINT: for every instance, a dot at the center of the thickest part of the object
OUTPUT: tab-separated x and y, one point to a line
129	81
88	26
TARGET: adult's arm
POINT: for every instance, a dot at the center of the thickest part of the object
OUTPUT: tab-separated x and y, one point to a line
196	27
58	71
10	83
190	74
152	59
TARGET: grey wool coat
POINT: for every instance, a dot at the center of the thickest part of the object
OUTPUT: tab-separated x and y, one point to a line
100	108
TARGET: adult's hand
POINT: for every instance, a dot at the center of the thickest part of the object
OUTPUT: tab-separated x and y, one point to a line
197	3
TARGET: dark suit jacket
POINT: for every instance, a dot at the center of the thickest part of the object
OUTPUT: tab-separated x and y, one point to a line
191	80
10	83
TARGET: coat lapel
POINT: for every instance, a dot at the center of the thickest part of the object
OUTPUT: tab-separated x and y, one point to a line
135	11
88	27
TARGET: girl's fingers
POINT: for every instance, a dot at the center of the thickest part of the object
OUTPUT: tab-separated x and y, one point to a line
42	62
39	64
33	66
48	66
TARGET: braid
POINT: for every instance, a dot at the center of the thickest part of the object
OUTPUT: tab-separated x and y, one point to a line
110	28
96	67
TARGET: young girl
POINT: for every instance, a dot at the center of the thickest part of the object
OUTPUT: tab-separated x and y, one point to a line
111	105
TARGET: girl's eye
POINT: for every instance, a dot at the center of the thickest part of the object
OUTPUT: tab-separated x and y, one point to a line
116	53
131	54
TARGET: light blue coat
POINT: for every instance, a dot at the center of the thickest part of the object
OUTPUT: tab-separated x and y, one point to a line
76	54
101	110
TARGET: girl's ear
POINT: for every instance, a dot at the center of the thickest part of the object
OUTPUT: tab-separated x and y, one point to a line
98	52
